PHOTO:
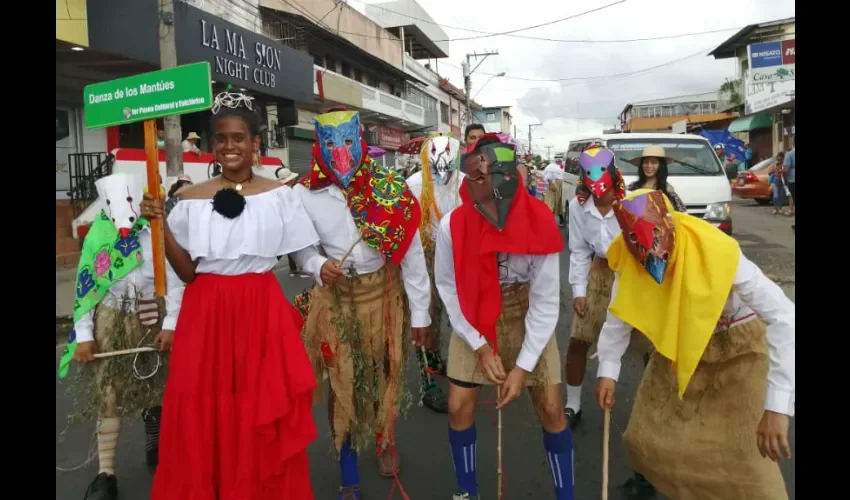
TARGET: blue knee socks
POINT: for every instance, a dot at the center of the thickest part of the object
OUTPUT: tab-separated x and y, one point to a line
464	457
559	452
348	472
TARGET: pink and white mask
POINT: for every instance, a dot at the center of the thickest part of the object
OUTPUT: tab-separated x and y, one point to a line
122	196
443	157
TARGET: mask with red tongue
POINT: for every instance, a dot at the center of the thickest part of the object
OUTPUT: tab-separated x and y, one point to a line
340	148
121	195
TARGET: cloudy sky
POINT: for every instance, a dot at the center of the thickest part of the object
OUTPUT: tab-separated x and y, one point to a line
581	103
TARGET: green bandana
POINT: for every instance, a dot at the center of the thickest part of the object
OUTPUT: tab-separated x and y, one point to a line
105	259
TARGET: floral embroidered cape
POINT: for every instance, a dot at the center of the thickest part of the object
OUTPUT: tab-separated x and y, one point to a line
105	259
384	210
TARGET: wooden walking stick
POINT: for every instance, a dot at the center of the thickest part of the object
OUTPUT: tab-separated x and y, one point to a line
157	236
499	447
606	434
122	352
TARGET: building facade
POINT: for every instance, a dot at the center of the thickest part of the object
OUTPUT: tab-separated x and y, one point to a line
764	83
659	115
496	119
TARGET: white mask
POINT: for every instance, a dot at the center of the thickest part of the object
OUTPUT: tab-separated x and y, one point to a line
122	196
443	157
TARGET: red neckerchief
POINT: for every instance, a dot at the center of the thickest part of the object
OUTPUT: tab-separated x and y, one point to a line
385	211
530	230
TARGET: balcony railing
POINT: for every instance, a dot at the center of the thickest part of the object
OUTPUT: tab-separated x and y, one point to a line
390	105
413	66
381	102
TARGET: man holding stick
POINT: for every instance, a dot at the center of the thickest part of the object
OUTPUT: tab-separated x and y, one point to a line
370	258
115	308
710	419
496	269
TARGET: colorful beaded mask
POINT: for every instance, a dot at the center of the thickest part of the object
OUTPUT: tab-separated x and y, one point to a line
598	167
648	230
341	146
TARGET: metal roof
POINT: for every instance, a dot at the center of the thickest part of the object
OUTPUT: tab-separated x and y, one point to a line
744	37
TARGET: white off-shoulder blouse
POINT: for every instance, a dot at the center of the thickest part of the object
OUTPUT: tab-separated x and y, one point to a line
272	224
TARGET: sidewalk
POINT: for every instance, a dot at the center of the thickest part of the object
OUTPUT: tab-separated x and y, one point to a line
65	288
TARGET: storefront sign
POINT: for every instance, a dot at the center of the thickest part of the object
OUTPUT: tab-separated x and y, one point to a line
772	62
762	96
243	58
173	91
390	138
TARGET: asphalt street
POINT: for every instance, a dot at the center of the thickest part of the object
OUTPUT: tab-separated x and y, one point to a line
426	471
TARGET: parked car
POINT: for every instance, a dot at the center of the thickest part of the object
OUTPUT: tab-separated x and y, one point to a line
753	184
695	171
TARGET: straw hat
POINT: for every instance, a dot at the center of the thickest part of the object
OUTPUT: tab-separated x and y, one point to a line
650	152
285	175
193	135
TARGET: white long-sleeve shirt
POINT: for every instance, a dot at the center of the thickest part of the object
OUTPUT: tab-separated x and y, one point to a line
539	271
138	283
446	195
590	233
337	231
752	292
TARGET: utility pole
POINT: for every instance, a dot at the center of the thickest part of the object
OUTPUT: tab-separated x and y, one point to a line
548	152
168	59
467	77
530	129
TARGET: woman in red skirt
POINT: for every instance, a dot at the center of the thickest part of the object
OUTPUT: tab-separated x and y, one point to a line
237	414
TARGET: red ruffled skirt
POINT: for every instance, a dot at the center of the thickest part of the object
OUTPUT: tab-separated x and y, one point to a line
237	415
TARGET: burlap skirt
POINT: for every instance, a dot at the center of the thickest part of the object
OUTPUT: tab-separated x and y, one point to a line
357	332
510	333
436	309
599	283
114	387
552	199
703	447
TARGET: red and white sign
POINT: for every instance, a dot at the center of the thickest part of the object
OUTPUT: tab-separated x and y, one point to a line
391	138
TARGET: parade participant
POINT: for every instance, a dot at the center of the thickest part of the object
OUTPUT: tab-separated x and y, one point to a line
370	257
237	414
437	190
652	174
497	273
115	308
717	394
592	226
554	175
472	133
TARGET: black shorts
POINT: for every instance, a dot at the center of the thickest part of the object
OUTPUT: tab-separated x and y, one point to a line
465	385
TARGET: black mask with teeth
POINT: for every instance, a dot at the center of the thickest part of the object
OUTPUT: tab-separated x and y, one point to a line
496	161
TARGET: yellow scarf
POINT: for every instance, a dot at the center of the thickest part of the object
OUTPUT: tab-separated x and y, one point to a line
678	316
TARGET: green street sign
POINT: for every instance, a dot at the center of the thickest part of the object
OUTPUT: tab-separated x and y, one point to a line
174	91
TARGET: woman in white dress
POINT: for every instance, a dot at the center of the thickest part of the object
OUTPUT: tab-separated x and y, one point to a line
237	410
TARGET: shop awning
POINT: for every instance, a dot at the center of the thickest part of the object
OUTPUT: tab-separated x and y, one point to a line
751	122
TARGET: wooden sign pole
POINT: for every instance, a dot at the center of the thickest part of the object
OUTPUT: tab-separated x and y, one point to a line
157	235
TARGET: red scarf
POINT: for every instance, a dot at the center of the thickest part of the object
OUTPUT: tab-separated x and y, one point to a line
385	211
530	229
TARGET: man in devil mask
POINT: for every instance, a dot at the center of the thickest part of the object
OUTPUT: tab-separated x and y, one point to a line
437	187
496	269
716	397
369	258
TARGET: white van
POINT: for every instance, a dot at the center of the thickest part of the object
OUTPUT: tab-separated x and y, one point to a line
695	173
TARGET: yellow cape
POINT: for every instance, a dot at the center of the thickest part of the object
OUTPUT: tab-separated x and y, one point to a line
678	316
